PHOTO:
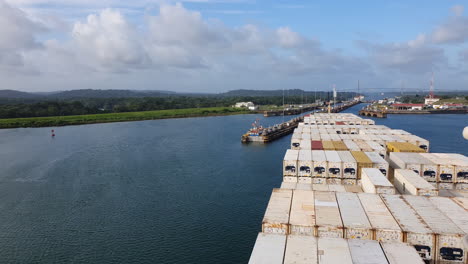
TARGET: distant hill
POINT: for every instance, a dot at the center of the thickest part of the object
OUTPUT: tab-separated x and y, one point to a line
291	92
12	94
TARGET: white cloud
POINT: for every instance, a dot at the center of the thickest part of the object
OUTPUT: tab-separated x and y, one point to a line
453	30
415	56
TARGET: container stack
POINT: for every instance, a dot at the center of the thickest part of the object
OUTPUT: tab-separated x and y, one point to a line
356	192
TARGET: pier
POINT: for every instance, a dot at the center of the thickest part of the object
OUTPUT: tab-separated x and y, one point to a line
373	113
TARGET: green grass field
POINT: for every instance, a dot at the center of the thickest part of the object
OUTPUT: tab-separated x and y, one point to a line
117	117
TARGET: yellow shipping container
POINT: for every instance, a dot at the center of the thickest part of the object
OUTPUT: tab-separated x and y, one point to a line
362	161
339	145
328	145
403	147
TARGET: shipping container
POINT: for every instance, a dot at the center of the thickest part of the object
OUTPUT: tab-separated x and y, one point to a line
320	187
336	188
416	232
409	182
353	188
449	237
460	164
446	171
319	180
462	201
349	181
351	145
339	145
362	161
290	163
402	147
328	145
306	144
384	225
333	251
276	217
320	163
317	145
354	218
363	145
452	210
305	165
304	186
296	140
269	248
301	250
288	185
333	164
327	213
401	253
366	252
349	164
302	215
416	162
378	162
373	181
376	147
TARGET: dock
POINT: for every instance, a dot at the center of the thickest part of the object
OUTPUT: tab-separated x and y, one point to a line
357	192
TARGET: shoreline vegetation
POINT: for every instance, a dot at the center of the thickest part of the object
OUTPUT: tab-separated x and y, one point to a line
55	121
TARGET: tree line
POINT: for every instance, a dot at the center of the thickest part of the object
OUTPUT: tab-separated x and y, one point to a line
30	108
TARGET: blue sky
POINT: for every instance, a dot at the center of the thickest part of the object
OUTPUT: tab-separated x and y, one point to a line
220	45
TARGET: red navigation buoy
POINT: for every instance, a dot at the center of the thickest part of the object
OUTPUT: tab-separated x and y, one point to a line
53	133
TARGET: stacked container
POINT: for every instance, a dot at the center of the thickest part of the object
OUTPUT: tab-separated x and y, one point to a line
333	251
354	218
384	225
366	251
302	215
449	237
334	164
362	162
378	162
349	166
409	182
416	231
300	249
373	181
269	248
305	165
327	215
319	173
276	218
290	165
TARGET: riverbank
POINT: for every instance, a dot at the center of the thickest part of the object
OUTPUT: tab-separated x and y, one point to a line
54	121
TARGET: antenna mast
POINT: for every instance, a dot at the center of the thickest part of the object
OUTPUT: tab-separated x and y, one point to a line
431	89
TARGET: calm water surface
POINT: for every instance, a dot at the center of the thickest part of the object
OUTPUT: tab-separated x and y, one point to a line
164	191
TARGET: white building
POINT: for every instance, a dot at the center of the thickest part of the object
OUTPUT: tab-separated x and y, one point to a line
244	104
431	100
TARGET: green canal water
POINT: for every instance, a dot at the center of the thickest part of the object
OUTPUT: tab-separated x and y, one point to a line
163	191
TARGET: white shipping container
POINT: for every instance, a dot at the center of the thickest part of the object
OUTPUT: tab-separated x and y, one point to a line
462	201
378	162
333	251
417	231
401	253
290	162
302	215
304	186
373	181
288	185
376	147
416	162
382	221
333	164
452	210
409	182
349	164
446	171
268	249
336	188
305	137
460	163
366	252
363	145
301	250
449	236
327	215
354	217
306	144
320	187
296	140
351	145
305	165
320	163
276	217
